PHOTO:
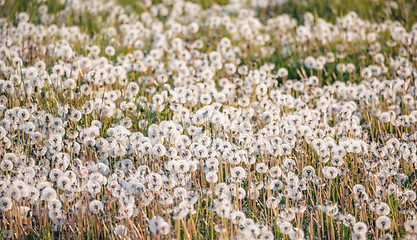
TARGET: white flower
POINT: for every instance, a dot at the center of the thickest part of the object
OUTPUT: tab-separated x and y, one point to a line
211	177
120	230
383	223
5	204
159	226
96	206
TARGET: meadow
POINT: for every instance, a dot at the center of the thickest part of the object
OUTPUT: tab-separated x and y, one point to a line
208	119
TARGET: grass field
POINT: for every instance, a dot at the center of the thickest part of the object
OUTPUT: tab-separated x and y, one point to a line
216	119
